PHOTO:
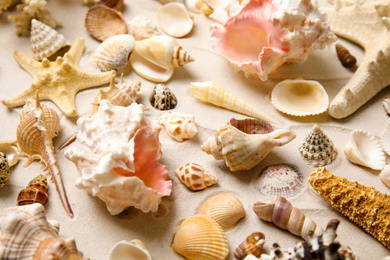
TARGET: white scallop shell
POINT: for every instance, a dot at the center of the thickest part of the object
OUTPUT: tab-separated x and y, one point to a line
174	19
113	53
179	126
385	137
300	97
385	175
364	149
134	249
195	177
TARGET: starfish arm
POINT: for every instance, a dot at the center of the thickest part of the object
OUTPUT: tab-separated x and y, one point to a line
87	80
28	64
21	98
75	52
66	103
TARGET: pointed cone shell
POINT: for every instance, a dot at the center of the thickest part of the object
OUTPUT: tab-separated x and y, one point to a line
179	126
134	249
225	209
45	41
200	238
174	19
195	177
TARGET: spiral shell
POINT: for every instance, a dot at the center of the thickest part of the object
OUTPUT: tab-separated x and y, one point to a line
179	126
35	192
4	170
345	57
195	177
253	245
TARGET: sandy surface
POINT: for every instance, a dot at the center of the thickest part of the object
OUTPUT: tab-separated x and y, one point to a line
96	231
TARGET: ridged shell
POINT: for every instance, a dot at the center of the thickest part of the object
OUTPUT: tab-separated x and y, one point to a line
131	250
141	27
103	22
179	126
45	41
113	53
35	192
281	180
253	245
195	177
174	19
385	137
4	170
364	149
8	149
225	209
300	97
162	98
317	149
200	238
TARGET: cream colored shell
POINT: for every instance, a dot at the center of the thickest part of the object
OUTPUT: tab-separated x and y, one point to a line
195	177
9	149
385	175
179	126
385	137
131	250
141	27
174	19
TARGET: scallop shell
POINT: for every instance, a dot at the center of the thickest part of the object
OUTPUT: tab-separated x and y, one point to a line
364	149
134	249
45	41
225	209
200	237
4	170
8	148
195	177
386	105
179	126
385	175
300	97
141	27
174	19
103	22
253	245
162	98
113	53
317	149
281	180
385	137
35	192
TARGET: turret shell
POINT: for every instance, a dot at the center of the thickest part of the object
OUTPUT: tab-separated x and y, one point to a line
253	245
35	192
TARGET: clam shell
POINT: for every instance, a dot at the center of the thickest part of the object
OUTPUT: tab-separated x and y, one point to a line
162	98
195	177
385	137
103	22
225	209
300	97
113	53
174	19
4	169
134	249
364	149
281	180
200	237
179	126
11	153
141	27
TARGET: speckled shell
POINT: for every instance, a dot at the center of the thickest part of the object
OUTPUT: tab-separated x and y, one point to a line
174	19
8	149
113	53
162	98
365	206
141	27
35	192
225	209
45	41
195	177
253	245
132	250
4	170
317	149
200	238
179	126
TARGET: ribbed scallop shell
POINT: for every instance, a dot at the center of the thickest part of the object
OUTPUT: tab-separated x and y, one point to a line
225	209
8	149
103	22
45	41
253	245
162	98
141	27
174	19
179	126
364	149
4	170
281	179
200	238
195	177
300	97
317	149
131	250
113	53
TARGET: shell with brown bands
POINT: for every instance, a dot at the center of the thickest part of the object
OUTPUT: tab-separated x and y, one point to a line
253	245
345	57
35	192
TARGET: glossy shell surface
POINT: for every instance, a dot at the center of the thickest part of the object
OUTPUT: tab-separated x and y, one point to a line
195	177
179	126
174	19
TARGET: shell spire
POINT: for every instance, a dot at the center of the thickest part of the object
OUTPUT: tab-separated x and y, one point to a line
180	57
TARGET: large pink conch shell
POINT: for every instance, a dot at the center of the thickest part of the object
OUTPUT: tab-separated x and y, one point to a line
265	34
116	153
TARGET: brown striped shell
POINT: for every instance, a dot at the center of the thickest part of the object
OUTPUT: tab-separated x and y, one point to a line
35	192
253	245
345	57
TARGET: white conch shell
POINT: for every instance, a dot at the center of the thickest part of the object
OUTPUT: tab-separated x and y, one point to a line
141	27
132	250
385	137
112	149
195	177
364	149
385	175
45	41
270	33
179	126
242	150
8	148
174	19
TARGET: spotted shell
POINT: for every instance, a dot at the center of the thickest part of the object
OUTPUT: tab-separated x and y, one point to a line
195	177
35	192
162	98
179	126
9	149
4	170
253	245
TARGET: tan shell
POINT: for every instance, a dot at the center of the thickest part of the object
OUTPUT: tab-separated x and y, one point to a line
103	22
174	19
345	57
8	148
4	170
35	192
195	177
134	249
179	126
142	28
253	245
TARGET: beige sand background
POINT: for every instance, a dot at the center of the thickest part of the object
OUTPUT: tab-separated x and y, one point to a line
96	231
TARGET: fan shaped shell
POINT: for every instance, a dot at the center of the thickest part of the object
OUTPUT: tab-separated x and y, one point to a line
174	19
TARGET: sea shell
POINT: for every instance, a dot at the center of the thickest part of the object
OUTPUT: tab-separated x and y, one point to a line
242	151
200	237
194	6
385	175
210	92
134	249
156	58
179	126
345	57
162	98
8	149
35	192
365	206
281	180
195	177
386	105
103	22
45	41
364	149
317	149
37	127
141	27
300	97
174	19
253	245
385	137
116	153
116	4
4	170
26	234
281	212
271	33
113	53
209	6
225	209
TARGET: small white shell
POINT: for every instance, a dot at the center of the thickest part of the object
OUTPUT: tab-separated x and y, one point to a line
174	19
385	175
194	6
364	149
11	153
113	53
385	137
300	97
134	249
142	28
195	177
179	126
